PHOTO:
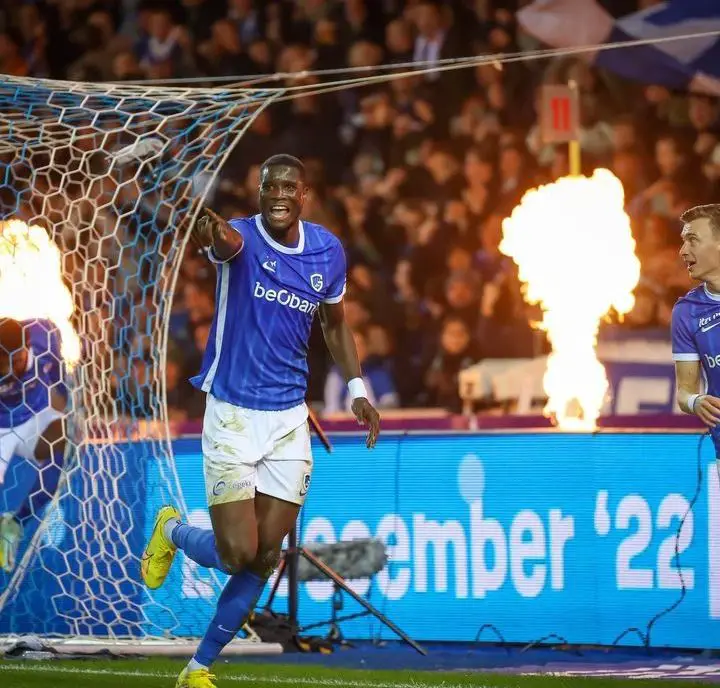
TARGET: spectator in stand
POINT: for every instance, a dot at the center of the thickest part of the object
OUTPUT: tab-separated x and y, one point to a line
644	312
661	269
34	32
456	352
223	54
200	16
378	381
461	300
438	38
248	19
415	175
679	177
162	53
328	45
480	183
515	177
11	59
101	47
399	42
125	67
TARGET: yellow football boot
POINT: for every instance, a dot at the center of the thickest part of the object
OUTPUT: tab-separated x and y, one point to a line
201	678
159	552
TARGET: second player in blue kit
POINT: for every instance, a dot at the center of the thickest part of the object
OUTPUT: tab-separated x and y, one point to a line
275	273
696	320
33	398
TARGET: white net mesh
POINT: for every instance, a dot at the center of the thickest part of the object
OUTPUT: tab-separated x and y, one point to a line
109	179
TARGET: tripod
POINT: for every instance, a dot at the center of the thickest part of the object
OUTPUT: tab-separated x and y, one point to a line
289	566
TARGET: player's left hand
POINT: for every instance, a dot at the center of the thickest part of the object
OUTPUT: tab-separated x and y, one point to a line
368	416
707	409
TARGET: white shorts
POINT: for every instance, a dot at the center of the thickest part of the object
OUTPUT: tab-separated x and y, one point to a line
22	440
246	450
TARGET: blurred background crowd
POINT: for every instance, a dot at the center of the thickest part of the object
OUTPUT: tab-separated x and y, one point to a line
415	176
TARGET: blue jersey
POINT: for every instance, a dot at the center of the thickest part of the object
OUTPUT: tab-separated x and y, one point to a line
21	398
265	302
696	337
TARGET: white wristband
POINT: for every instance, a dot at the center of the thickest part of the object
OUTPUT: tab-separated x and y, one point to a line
692	400
356	387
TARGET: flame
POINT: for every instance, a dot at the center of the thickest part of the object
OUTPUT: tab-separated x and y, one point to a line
31	283
573	245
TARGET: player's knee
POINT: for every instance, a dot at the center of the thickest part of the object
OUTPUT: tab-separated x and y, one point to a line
265	562
237	552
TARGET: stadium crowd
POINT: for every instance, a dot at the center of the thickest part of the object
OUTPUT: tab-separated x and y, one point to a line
415	175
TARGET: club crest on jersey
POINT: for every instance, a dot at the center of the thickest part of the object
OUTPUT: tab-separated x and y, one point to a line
316	281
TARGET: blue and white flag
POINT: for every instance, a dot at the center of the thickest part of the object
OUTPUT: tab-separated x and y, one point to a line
691	64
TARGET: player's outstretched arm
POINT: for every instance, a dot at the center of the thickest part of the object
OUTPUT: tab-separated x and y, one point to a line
704	406
217	234
341	344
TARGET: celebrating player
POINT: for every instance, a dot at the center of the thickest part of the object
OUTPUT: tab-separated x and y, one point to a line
32	400
695	320
274	273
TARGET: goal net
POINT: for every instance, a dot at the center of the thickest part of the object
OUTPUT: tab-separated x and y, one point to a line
99	188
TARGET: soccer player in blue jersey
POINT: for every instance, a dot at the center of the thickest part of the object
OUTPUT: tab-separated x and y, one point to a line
32	403
696	320
275	272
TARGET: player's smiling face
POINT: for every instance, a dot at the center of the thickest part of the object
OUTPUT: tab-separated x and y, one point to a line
700	250
282	195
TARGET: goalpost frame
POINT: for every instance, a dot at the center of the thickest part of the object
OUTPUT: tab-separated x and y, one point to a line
29	129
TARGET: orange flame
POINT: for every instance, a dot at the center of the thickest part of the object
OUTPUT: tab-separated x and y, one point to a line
31	283
573	245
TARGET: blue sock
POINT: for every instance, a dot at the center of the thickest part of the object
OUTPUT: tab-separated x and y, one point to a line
43	489
198	544
236	602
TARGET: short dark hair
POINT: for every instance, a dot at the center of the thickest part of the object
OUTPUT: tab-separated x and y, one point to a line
710	211
483	153
455	318
12	336
284	160
680	141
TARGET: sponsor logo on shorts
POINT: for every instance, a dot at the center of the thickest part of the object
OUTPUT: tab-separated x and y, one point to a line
221	486
238	485
305	485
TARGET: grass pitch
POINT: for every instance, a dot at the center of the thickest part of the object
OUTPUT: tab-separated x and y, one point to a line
161	673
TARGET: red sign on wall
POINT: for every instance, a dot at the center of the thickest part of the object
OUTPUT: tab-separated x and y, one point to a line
560	114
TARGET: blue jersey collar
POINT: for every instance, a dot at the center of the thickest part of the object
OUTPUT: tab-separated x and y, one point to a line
280	247
710	294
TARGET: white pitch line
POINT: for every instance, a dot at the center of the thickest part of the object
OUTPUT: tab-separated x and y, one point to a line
247	678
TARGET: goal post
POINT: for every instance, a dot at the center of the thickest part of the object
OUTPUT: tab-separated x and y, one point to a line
109	179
